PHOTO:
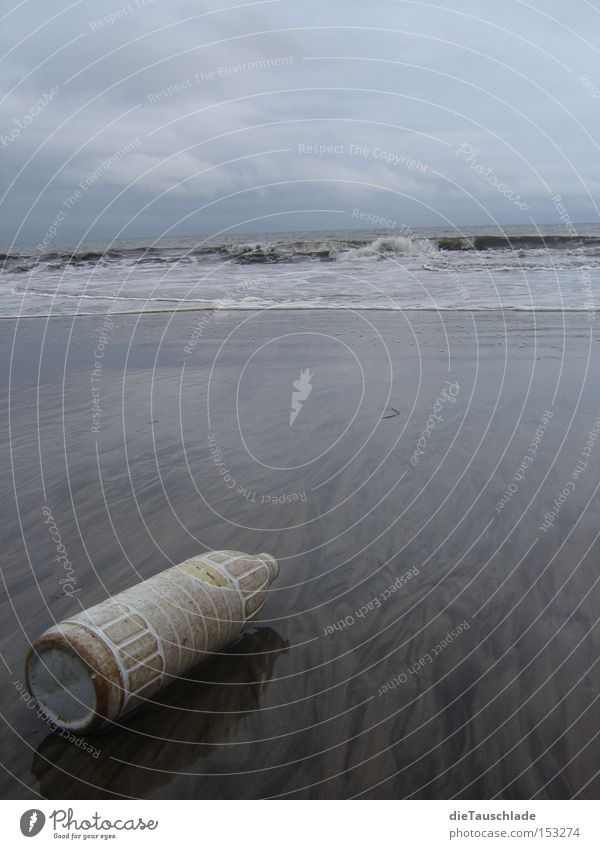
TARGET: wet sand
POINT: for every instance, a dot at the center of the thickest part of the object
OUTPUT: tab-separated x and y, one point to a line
421	641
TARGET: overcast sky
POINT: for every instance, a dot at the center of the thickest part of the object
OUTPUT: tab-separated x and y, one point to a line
147	118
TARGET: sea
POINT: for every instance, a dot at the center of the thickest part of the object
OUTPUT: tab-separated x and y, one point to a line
530	268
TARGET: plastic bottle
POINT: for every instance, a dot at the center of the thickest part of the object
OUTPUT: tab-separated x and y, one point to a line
102	663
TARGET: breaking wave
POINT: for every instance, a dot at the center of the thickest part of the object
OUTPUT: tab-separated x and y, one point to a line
296	250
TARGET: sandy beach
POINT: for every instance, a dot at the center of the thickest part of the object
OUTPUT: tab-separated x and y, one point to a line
433	509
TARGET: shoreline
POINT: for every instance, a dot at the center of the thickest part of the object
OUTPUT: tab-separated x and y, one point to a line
296	308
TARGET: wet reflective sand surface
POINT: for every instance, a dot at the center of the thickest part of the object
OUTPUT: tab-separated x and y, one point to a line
433	507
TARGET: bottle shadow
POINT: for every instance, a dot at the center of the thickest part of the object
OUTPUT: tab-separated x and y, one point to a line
163	741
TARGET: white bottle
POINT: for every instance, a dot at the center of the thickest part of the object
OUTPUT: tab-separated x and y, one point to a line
102	663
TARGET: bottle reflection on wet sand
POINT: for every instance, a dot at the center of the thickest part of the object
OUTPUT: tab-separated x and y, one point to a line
168	746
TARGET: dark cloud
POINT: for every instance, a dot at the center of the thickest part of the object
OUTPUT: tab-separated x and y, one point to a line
196	118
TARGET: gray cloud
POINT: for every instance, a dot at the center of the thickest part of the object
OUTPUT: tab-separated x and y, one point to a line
218	106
